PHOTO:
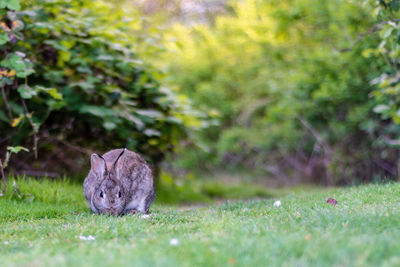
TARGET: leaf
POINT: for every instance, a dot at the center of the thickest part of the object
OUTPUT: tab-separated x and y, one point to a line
395	5
51	91
17	25
54	94
26	92
368	52
16	149
5	73
108	125
3	3
13	5
149	113
55	105
387	32
43	27
3	117
105	57
17	63
151	132
20	54
84	85
63	56
98	111
11	73
332	201
4	26
16	121
4	38
22	67
27	70
381	108
128	116
381	46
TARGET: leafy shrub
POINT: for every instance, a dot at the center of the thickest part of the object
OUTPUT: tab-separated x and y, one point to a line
72	80
388	28
291	82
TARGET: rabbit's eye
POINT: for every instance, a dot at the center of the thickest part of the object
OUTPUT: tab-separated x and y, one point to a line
119	194
101	194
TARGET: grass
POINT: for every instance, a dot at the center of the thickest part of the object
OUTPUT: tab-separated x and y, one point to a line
361	230
191	189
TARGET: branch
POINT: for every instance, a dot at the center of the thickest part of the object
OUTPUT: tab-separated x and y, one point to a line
246	113
6	103
391	142
5	139
35	138
361	36
317	136
66	143
3	177
384	166
374	28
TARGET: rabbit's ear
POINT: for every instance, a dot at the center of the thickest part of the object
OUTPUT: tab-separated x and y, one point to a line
119	162
98	165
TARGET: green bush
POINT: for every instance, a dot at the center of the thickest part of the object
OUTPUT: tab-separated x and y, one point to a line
388	28
72	79
292	85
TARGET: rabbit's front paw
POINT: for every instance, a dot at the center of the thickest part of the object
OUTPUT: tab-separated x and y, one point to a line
132	212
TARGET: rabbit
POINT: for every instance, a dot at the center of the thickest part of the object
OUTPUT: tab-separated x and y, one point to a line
119	182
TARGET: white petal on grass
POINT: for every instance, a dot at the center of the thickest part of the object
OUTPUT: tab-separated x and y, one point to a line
277	203
145	216
5	242
87	238
174	242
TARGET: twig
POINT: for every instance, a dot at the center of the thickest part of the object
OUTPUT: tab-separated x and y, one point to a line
361	36
244	116
374	28
4	139
35	138
317	136
327	149
3	177
76	148
391	142
6	103
384	166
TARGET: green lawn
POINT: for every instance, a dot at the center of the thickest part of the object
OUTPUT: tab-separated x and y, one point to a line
363	229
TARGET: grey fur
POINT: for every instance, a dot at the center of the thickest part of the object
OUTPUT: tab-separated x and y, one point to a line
119	182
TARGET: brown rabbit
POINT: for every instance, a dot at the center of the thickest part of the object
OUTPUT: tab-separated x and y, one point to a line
119	182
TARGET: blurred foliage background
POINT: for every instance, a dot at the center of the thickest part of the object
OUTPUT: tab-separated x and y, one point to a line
287	92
